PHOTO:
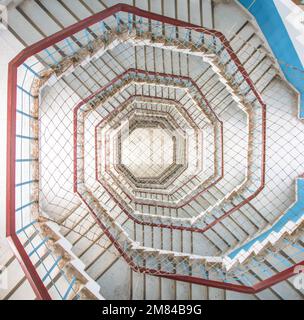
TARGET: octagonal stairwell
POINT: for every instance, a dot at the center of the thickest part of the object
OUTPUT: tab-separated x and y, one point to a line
149	140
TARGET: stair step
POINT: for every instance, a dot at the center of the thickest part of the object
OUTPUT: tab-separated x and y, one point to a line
24	292
117	278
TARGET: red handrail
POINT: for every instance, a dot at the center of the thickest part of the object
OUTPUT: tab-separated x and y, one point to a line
28	267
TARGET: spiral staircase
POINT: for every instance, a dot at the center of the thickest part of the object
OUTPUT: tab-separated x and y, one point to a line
154	152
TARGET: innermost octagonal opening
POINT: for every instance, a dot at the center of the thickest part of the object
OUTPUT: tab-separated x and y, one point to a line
147	152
